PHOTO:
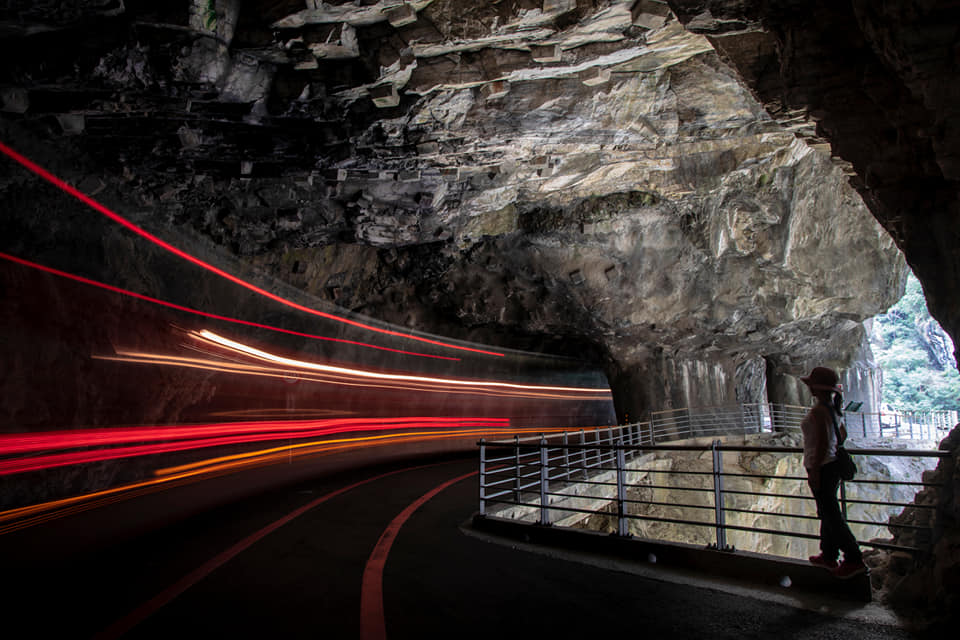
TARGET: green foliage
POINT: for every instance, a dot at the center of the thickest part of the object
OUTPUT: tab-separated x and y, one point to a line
210	16
912	378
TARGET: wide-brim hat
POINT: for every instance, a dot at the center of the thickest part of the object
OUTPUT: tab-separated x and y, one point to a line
823	378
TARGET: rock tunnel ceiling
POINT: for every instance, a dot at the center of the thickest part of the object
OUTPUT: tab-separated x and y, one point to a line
599	178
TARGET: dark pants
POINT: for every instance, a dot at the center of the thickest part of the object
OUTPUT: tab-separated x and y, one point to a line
835	535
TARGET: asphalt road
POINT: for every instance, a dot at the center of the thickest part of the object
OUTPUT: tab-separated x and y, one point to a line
368	553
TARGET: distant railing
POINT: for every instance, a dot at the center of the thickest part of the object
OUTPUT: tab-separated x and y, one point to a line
545	476
696	422
910	425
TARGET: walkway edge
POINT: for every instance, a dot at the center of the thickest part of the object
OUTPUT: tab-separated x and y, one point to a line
762	570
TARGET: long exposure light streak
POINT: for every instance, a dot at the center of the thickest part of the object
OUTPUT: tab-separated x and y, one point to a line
222	436
479	389
23	517
259	354
205	314
269	456
15	443
117	218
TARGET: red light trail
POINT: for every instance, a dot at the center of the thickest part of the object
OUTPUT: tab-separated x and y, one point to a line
97	206
205	314
17	443
195	437
23	517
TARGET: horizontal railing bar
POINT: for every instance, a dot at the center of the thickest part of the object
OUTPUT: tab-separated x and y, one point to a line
497	482
728	474
670	504
775	532
670	471
901	453
905	483
777	514
888	546
573	495
772	495
694	523
915	527
891	504
599	483
579	467
659	486
577	495
503	459
552	507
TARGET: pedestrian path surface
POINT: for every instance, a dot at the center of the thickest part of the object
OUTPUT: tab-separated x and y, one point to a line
372	553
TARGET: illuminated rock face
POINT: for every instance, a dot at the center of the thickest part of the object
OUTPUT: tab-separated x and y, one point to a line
875	82
577	177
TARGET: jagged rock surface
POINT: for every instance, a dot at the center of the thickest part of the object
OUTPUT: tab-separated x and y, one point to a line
874	83
563	175
928	582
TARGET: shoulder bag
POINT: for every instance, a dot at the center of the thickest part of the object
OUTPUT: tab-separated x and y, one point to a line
847	467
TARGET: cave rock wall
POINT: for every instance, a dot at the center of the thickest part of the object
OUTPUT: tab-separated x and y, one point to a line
582	177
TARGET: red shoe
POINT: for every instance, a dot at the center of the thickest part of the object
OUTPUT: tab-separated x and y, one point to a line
826	563
848	569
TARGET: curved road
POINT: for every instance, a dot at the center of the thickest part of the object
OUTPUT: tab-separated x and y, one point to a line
369	553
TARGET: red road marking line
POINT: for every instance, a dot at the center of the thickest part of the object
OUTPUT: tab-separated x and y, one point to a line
372	622
141	613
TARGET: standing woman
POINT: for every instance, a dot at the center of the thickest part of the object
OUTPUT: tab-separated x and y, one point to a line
820	429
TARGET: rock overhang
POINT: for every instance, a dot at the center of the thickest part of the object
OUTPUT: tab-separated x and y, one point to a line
539	169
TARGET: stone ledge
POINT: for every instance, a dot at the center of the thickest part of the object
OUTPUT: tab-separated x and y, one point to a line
763	570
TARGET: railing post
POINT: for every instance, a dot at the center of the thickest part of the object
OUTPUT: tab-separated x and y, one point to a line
622	529
516	469
598	441
583	454
566	457
843	499
483	476
718	495
863	423
544	479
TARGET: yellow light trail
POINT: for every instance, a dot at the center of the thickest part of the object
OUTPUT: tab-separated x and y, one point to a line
31	515
329	374
259	354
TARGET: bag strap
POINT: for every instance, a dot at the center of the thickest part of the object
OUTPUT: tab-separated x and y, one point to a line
836	427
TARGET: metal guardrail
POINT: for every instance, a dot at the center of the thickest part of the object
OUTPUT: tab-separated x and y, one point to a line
681	424
540	474
910	425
